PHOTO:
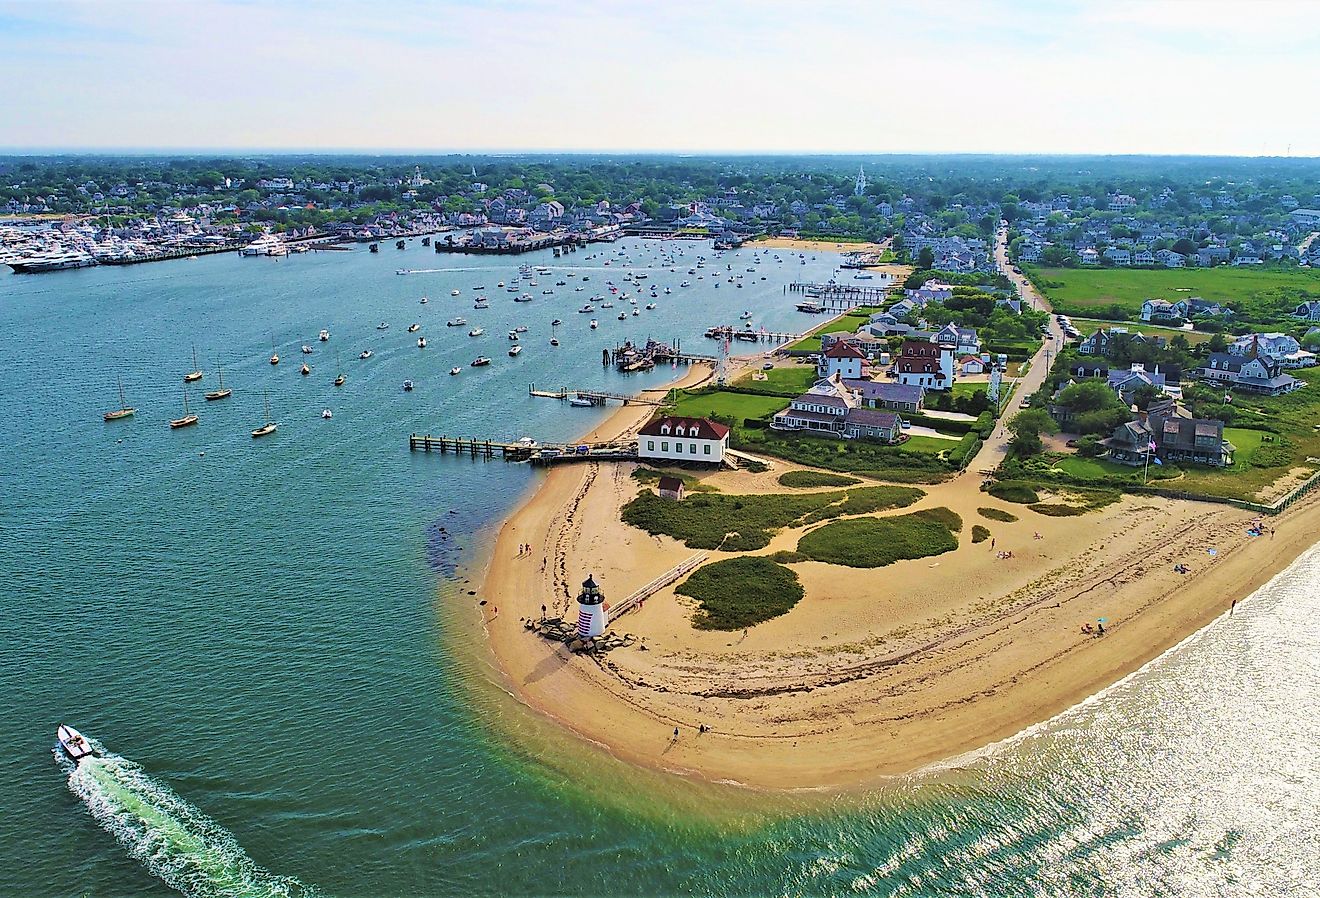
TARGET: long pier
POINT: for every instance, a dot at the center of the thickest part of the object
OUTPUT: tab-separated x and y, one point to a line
728	331
596	397
840	296
536	453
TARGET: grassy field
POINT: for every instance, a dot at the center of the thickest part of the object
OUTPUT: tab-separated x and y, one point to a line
800	479
737	406
1263	293
1089	326
919	463
876	542
741	592
796	380
746	522
849	323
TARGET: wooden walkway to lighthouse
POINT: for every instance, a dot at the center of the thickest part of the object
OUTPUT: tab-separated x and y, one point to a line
659	583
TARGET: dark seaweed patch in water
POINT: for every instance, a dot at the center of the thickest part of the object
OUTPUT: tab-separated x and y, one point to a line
443	545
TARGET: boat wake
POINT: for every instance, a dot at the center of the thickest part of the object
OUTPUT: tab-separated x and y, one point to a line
172	839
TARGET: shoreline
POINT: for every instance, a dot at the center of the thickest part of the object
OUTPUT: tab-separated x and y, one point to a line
875	706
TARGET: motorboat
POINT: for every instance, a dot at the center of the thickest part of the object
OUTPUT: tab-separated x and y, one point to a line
382	326
480	360
547	293
306	350
454	370
304	370
513	335
745	315
556	323
414	327
456	322
476	332
423	300
421	342
274	358
650	306
365	354
327	414
481	304
74	744
514	350
623	316
607	304
587	309
455	292
526	297
325	335
407	386
635	312
593	324
581	402
520	329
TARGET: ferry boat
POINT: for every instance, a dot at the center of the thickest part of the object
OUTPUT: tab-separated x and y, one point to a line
414	328
476	332
324	335
480	360
265	245
74	744
365	354
456	322
514	350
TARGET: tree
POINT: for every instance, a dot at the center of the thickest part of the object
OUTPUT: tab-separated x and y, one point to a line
1183	246
1217	343
926	258
1027	427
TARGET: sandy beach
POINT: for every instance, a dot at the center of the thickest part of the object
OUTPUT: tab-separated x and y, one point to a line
819	246
875	672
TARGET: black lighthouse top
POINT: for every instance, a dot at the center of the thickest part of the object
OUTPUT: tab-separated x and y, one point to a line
591	594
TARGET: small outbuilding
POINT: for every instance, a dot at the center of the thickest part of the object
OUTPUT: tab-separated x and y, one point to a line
671	488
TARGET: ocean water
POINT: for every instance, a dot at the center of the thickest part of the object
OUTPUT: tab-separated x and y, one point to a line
273	638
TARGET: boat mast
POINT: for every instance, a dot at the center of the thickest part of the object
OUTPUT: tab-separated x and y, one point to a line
123	404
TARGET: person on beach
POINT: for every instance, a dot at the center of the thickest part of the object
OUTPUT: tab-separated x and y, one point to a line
992	544
675	734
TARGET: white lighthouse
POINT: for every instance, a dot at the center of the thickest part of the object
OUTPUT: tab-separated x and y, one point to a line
592	616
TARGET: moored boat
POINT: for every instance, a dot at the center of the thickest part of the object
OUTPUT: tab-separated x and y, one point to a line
188	419
223	392
325	335
365	354
124	411
514	350
480	360
270	426
196	373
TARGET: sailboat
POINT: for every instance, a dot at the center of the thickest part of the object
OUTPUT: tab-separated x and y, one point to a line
554	327
274	356
124	411
195	373
188	419
339	381
269	426
222	393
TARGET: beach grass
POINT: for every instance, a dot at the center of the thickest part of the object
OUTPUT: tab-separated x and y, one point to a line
996	514
690	484
741	592
979	533
1013	491
800	479
741	523
876	542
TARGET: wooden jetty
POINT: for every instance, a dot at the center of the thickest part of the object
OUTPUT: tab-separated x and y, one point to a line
659	583
728	331
834	296
536	453
597	397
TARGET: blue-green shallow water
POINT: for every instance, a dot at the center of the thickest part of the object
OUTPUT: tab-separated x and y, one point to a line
269	630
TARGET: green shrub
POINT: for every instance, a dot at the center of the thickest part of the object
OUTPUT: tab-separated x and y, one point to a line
944	516
784	556
979	534
1057	511
815	478
742	523
875	542
1011	491
740	592
997	514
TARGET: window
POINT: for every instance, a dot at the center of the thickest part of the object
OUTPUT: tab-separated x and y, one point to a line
707	448
650	445
692	447
664	447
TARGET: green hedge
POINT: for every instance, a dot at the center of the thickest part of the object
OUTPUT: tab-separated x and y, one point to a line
740	592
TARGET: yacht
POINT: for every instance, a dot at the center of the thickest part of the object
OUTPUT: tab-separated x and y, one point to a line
325	335
514	350
269	427
526	297
456	322
607	304
414	328
365	354
188	419
124	411
476	332
455	292
593	324
481	304
480	360
650	306
55	260
74	744
588	308
581	402
265	245
196	373
327	414
304	370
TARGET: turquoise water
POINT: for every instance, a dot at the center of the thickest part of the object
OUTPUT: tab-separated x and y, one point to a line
275	633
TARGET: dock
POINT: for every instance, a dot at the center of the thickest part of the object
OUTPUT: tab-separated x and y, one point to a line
840	297
596	397
525	450
729	332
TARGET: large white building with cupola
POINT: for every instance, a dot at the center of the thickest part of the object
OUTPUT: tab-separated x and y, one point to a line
695	440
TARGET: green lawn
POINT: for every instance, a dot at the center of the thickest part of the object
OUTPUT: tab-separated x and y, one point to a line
1089	326
796	380
849	323
933	445
737	406
1087	468
967	388
1262	293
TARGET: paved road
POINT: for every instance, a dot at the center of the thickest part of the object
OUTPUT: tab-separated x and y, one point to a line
1306	244
995	448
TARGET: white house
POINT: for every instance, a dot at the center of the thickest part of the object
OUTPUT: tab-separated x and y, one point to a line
683	439
926	365
842	358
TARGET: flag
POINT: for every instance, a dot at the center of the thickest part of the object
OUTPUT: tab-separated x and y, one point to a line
1152	447
1157	461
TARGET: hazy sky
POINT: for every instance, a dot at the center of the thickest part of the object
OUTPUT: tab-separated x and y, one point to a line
1113	76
